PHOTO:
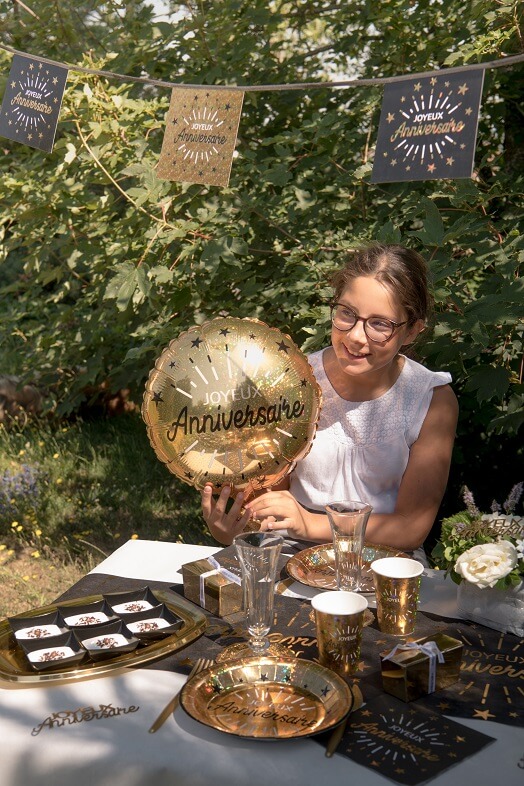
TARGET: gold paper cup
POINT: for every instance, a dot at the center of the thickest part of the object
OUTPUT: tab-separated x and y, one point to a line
339	618
397	584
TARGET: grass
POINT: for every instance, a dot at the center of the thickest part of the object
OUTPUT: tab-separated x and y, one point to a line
71	493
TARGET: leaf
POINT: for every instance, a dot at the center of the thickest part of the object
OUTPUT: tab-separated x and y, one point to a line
433	227
488	382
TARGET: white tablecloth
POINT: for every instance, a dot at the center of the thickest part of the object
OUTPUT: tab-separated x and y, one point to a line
118	751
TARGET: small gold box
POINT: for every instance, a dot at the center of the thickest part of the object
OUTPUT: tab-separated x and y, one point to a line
408	674
210	584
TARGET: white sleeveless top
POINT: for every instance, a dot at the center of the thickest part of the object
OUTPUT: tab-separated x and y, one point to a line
361	449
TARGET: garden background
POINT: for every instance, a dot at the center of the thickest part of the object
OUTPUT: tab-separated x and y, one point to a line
102	263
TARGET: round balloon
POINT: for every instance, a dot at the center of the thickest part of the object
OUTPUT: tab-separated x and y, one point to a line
231	402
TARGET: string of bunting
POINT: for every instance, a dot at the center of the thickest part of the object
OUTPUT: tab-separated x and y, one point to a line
427	129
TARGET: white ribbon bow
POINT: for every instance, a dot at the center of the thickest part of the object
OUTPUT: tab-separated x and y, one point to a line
217	568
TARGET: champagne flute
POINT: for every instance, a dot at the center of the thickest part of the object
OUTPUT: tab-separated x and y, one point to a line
258	553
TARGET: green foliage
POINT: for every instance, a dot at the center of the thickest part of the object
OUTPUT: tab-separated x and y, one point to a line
102	263
82	488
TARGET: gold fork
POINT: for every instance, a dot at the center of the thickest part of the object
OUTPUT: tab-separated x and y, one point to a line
200	665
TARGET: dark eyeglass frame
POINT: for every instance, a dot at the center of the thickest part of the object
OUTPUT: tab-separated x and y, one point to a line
394	325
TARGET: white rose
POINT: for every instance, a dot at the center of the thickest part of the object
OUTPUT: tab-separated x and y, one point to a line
486	563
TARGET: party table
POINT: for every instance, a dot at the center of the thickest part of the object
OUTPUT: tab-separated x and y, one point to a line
104	738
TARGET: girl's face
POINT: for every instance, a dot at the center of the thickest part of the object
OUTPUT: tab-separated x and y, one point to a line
355	353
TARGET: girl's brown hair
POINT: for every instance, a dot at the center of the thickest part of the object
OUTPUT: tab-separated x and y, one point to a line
403	271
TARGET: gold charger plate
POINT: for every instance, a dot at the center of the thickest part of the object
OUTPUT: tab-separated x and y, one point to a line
267	698
15	671
315	566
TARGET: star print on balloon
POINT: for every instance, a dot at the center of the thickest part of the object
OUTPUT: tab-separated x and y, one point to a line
32	101
428	128
200	136
238	408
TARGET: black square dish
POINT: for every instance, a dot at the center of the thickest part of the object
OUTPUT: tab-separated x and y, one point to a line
153	623
87	615
37	627
56	652
132	602
107	641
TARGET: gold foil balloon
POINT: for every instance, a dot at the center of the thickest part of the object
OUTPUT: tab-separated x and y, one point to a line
231	402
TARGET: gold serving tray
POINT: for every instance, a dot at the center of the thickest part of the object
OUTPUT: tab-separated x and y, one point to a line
15	671
315	566
267	698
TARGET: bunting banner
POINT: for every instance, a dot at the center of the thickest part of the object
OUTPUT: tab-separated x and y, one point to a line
428	128
32	101
200	136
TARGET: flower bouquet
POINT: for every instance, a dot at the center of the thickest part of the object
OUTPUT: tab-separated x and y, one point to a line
484	554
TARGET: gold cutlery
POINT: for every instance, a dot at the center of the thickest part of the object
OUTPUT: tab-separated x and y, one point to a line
338	731
200	665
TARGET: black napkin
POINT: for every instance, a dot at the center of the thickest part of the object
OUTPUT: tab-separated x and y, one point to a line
407	744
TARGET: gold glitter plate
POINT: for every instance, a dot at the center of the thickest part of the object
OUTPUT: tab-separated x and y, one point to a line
315	566
15	671
267	698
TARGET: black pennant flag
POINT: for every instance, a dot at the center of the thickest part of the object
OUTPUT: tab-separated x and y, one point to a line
428	128
32	102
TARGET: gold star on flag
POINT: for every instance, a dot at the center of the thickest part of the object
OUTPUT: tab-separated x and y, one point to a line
484	714
446	84
469	110
29	136
390	117
417	87
393	162
463	89
408	168
462	147
431	168
39	65
55	80
433	81
402	99
460	739
450	161
31	66
13	84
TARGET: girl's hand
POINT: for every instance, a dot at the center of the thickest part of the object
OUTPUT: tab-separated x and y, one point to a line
279	510
224	526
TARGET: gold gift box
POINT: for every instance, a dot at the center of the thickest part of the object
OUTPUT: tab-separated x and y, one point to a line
211	587
406	673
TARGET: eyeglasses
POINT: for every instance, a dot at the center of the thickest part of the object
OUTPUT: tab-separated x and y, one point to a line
377	329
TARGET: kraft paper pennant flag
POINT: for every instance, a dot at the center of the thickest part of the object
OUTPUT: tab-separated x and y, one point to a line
32	102
428	128
200	137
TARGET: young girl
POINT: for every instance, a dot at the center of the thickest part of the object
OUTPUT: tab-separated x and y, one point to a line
387	424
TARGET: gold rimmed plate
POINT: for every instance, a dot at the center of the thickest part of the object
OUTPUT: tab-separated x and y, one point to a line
17	672
267	698
315	567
